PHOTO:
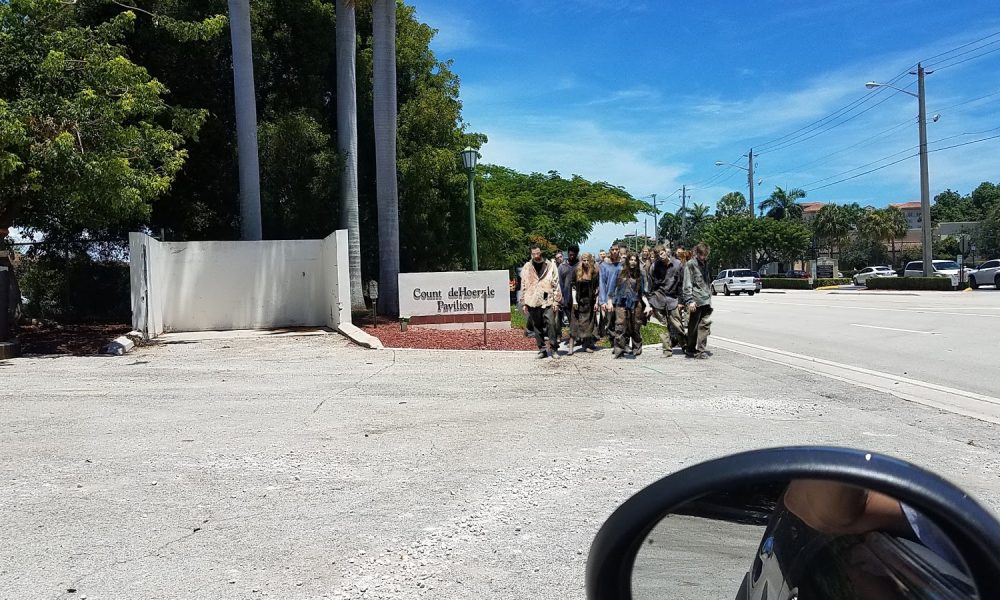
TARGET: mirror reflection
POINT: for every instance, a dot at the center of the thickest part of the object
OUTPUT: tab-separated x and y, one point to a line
804	539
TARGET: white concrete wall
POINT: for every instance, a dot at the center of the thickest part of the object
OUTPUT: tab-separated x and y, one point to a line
199	286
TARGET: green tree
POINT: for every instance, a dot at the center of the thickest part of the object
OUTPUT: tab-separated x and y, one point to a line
732	239
543	208
780	240
985	197
87	139
781	204
987	236
732	204
881	226
697	215
952	206
669	227
833	224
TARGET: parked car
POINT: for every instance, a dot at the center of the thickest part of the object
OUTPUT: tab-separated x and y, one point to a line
939	268
735	281
988	273
868	272
796	275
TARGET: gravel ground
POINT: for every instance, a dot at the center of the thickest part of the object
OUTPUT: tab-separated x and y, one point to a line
288	466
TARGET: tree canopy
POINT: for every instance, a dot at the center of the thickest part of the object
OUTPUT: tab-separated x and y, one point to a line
518	209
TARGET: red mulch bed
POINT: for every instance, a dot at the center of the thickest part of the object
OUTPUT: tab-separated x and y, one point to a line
449	339
78	340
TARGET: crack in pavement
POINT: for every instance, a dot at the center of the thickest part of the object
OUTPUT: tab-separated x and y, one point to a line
357	383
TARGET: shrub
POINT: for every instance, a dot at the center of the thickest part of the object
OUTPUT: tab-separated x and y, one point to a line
75	290
909	283
835	281
785	284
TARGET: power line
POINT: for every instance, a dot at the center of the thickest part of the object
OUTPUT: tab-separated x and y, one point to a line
966	102
977	48
846	148
992	137
862	174
833	126
997	49
766	146
896	162
986	37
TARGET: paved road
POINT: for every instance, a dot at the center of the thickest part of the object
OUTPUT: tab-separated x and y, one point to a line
945	338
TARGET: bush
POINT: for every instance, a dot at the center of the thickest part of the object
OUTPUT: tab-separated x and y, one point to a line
834	281
909	283
785	284
75	290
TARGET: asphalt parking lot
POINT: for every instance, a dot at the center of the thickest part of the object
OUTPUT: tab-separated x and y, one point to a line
293	466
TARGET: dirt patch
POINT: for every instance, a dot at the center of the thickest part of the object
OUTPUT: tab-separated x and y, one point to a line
450	339
78	340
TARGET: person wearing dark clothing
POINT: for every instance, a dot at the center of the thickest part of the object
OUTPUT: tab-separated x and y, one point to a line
666	279
566	272
630	306
583	298
697	295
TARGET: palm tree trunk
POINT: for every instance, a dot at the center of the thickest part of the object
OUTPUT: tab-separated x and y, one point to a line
347	143
387	194
246	119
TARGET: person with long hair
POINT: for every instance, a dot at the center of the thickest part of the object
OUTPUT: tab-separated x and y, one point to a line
631	305
583	315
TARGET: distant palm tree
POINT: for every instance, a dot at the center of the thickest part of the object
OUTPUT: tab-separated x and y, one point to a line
387	192
347	143
833	224
696	215
884	225
783	204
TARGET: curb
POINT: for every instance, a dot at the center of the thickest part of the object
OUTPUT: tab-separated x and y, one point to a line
10	349
827	287
353	333
122	344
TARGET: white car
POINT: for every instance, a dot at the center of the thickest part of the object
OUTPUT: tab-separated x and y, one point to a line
735	281
988	273
868	272
939	268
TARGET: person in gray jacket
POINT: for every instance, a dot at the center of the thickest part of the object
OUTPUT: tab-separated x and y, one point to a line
697	295
666	278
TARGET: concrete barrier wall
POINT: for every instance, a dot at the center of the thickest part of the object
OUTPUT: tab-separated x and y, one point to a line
199	286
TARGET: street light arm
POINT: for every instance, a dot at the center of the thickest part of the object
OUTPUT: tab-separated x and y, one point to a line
719	163
874	84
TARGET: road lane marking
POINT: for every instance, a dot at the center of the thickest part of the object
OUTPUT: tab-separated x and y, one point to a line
970	404
927	310
893	329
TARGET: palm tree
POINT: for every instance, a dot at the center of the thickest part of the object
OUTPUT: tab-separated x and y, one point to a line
781	204
246	119
387	193
697	215
347	143
885	225
833	223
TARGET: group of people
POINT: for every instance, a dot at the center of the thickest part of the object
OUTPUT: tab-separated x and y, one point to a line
614	295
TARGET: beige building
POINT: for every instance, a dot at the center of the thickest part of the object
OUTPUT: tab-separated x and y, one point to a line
910	210
810	210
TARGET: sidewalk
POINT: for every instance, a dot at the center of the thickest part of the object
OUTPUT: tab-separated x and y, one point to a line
301	466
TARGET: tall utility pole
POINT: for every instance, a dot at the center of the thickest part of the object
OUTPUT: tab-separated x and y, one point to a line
684	197
656	222
246	120
750	185
925	193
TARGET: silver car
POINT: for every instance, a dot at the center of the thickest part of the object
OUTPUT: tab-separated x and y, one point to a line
735	281
988	273
868	272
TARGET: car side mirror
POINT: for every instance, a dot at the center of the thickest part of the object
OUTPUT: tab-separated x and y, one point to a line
795	522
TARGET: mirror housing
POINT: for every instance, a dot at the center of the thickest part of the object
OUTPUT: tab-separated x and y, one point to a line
974	532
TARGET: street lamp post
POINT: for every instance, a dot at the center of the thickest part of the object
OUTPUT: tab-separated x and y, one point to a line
469	158
925	194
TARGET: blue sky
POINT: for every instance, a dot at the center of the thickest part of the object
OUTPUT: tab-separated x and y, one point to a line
648	95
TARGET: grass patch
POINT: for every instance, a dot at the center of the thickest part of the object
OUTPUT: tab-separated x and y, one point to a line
517	318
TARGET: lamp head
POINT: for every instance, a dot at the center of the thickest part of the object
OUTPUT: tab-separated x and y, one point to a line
872	84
